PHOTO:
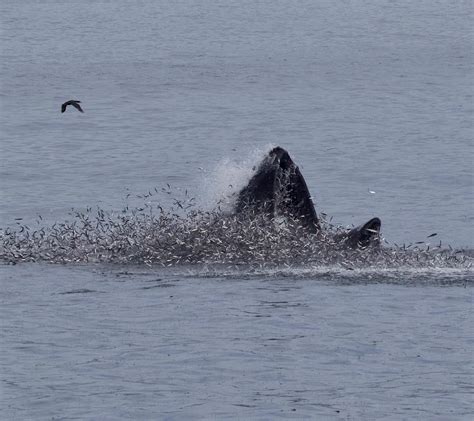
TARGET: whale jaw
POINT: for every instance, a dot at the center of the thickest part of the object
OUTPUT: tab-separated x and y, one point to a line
363	236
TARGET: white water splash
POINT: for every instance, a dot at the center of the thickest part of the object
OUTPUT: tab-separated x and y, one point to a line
220	186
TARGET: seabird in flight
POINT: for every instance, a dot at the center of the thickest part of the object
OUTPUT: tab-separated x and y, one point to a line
72	102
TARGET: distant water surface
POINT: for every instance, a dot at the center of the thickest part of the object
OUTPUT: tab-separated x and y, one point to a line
135	343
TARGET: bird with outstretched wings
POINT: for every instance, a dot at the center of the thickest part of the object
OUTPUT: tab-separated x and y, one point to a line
72	102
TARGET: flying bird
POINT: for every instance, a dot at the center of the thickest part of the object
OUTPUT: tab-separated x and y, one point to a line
72	102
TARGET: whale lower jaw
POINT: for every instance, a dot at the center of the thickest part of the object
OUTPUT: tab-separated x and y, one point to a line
363	236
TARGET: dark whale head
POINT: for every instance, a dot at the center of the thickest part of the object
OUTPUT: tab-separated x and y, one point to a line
278	188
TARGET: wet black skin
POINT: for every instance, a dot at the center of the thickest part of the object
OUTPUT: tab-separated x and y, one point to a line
279	188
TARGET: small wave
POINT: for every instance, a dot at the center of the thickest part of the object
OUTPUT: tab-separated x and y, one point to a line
341	274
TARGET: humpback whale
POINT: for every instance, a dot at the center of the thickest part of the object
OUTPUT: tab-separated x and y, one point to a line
278	189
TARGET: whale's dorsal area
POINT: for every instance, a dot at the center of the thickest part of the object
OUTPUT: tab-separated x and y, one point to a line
279	189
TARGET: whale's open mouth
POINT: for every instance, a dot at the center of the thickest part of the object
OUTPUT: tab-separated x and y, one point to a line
274	223
278	189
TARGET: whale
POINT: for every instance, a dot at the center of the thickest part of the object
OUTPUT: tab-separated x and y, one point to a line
278	189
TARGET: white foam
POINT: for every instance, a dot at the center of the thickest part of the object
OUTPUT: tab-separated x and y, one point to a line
401	274
220	186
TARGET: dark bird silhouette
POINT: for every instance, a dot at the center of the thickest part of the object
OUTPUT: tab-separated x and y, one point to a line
72	102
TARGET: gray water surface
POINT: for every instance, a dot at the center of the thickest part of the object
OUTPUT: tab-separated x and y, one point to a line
105	343
374	102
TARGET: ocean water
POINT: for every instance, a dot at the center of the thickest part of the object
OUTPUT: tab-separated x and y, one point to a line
374	102
127	343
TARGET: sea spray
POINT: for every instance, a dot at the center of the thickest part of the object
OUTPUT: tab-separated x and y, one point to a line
222	184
